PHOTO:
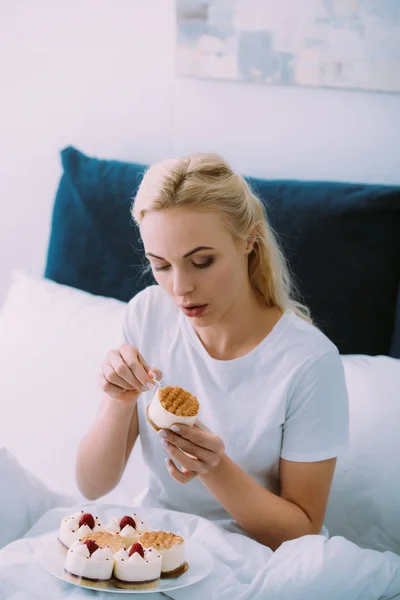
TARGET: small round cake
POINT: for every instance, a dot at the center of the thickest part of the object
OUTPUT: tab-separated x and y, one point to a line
105	539
137	567
170	405
76	526
90	564
172	549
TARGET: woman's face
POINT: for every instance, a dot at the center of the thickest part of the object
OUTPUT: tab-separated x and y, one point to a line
196	261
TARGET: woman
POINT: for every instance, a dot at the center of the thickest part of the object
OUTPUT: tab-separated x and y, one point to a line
221	323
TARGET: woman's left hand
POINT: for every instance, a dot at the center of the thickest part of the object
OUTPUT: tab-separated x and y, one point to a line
203	447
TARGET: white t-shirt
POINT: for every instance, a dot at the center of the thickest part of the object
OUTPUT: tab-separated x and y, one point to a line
286	398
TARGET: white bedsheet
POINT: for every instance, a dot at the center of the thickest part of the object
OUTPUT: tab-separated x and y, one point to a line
311	568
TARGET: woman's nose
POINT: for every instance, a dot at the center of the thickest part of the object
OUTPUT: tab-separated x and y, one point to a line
183	285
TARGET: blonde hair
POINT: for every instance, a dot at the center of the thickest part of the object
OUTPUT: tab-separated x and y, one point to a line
205	181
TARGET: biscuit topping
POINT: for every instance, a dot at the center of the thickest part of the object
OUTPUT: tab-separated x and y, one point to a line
104	539
178	401
160	540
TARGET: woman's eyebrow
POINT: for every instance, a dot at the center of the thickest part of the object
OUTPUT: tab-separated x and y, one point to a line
185	255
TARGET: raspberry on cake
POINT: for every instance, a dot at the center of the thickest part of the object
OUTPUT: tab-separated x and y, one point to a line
128	527
172	549
90	564
73	527
170	405
137	568
105	539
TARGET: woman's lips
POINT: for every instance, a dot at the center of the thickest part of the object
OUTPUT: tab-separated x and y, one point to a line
194	311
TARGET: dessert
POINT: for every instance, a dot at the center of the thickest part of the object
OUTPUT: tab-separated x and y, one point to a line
137	567
124	554
105	539
73	527
128	527
170	405
89	563
172	550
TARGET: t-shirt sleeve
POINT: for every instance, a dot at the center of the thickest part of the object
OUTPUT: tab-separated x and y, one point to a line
317	416
135	313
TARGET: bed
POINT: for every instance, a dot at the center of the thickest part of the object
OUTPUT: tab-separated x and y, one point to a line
343	244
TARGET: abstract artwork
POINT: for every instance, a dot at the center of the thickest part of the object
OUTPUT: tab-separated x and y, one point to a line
347	44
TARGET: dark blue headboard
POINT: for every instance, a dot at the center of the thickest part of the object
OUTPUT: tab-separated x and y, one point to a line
342	241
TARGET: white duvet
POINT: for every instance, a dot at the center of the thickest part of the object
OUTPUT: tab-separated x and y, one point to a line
310	568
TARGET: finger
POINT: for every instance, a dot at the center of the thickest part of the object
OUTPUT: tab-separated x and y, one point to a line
155	374
181	476
187	446
123	371
111	376
200	425
152	373
204	439
192	464
143	362
108	388
117	393
131	357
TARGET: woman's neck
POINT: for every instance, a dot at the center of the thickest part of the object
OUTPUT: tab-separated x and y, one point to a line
241	329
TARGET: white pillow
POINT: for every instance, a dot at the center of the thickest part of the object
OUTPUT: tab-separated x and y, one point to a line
23	499
364	504
53	339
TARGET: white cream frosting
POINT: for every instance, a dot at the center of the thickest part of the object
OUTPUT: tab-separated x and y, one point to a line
135	568
70	531
129	533
141	526
163	418
97	566
113	525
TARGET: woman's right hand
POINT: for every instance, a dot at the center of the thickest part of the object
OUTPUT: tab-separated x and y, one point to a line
125	374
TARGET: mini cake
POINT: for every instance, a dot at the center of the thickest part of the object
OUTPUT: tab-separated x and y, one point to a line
137	567
90	564
172	549
171	405
104	539
76	526
127	527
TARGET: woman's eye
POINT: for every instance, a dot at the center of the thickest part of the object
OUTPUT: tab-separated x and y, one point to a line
205	264
199	265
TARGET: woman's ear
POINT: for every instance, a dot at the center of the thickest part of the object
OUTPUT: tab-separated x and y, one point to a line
250	242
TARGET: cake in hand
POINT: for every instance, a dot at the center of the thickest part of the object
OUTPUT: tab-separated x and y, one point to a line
172	549
76	526
104	539
89	564
170	405
137	568
128	527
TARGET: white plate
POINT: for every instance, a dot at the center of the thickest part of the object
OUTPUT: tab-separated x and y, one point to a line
199	559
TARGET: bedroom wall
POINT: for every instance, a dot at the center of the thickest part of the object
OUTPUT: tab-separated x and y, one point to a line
99	74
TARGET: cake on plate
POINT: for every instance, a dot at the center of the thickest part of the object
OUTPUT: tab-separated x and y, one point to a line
172	550
74	527
88	563
137	568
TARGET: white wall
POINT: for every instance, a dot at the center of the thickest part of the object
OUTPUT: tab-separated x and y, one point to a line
99	74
